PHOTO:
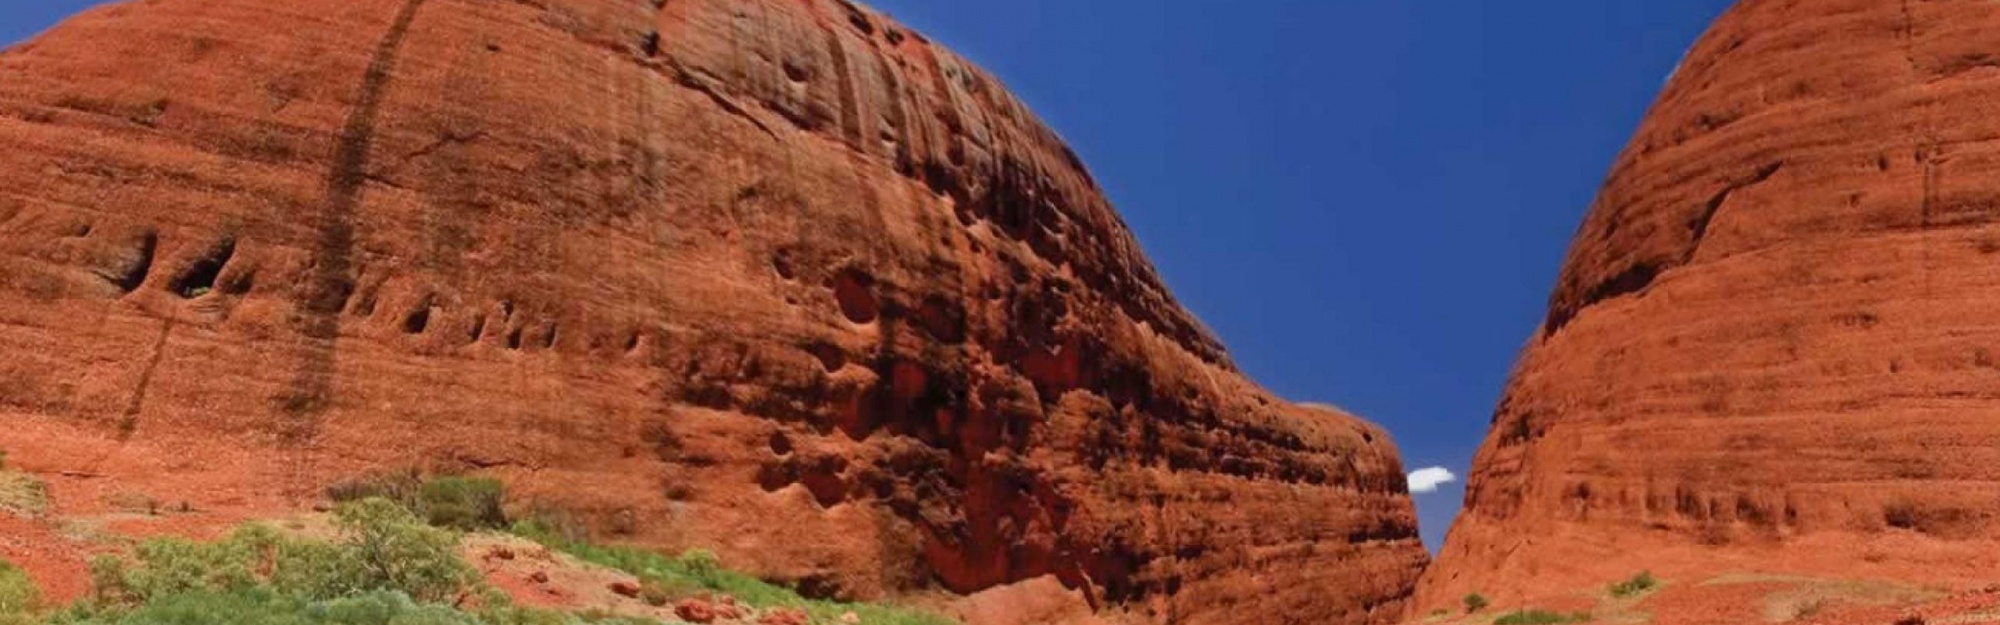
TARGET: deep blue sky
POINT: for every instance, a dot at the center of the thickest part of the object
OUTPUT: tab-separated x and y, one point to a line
1367	199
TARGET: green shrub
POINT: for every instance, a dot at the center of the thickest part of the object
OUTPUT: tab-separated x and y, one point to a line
457	502
1541	617
387	568
1639	584
393	550
465	503
107	581
402	486
262	606
18	594
384	548
1475	602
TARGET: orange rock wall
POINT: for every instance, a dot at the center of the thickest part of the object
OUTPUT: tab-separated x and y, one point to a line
778	278
1772	347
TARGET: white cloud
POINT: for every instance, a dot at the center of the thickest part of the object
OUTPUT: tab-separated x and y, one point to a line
1427	480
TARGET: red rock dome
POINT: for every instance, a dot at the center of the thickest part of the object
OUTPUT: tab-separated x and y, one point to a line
777	278
1772	347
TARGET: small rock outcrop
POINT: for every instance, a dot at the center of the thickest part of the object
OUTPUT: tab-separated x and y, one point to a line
777	278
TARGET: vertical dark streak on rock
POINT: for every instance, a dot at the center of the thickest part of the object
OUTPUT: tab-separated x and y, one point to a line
1926	140
128	422
899	113
850	111
331	282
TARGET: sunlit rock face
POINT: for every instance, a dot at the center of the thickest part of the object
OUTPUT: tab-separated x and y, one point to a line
780	279
1772	347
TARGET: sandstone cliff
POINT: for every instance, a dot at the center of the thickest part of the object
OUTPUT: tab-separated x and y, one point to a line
779	278
1772	345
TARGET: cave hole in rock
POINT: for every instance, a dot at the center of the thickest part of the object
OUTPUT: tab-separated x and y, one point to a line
514	339
942	319
199	278
478	329
135	273
419	318
855	291
831	357
632	341
782	262
825	482
366	306
781	444
775	476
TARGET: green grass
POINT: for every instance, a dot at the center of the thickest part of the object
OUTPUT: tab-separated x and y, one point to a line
1638	585
1541	617
695	572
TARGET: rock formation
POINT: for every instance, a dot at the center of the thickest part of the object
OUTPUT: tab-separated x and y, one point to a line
1773	344
775	277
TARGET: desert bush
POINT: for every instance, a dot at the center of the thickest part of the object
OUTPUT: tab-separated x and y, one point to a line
465	503
1475	602
384	548
1639	584
402	486
18	594
23	494
394	550
457	502
387	568
1540	617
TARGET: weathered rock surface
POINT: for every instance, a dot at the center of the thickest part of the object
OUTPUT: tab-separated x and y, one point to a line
779	278
1773	344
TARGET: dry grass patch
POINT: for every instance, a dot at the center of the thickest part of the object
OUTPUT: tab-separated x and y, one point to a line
22	494
1807	597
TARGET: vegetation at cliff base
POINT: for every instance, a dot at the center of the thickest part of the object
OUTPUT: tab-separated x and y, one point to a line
456	502
387	568
18	594
395	561
1475	602
663	578
1638	585
1541	617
